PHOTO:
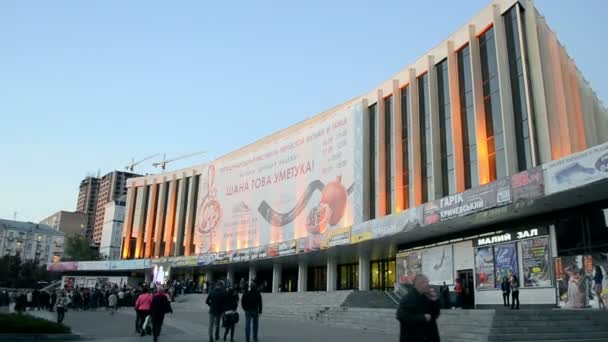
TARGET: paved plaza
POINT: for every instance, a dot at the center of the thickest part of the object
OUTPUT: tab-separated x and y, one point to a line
190	322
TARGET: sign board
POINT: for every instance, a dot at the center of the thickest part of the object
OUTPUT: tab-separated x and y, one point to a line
336	237
527	185
387	225
103	265
508	236
577	169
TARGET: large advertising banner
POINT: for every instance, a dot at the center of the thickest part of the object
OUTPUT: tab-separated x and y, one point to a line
528	185
132	264
300	185
336	237
94	265
497	193
582	281
63	266
576	170
438	265
409	264
387	225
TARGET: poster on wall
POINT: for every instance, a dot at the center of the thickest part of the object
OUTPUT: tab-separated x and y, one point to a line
505	256
336	237
484	268
495	194
438	264
63	266
578	169
536	263
387	225
409	264
528	184
582	281
295	186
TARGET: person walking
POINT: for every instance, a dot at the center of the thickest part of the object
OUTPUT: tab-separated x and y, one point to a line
121	299
444	291
418	312
215	300
60	307
159	307
113	303
53	300
231	316
252	305
598	278
142	308
514	292
505	286
30	300
459	294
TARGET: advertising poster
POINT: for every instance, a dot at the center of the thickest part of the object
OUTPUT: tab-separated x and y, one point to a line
527	185
102	265
577	169
241	255
573	285
409	264
484	268
63	266
186	261
287	248
295	186
505	261
309	244
387	225
495	194
134	264
336	237
206	259
536	261
438	265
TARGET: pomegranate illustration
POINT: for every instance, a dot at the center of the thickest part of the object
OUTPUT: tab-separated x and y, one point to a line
334	195
316	221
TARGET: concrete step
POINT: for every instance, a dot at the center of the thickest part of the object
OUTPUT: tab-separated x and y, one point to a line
549	336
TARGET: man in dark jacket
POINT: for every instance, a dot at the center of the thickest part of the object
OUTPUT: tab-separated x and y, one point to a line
252	305
215	300
418	312
505	286
158	308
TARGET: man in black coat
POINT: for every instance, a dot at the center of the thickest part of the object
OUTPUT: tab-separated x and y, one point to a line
252	305
418	312
215	300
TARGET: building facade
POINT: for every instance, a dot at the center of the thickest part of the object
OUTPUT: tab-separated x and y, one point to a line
111	237
111	186
70	223
31	241
87	203
484	158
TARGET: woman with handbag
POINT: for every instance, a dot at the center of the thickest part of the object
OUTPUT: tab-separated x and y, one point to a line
231	316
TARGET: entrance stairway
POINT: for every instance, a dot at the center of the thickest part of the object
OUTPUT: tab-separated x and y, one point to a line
369	299
302	305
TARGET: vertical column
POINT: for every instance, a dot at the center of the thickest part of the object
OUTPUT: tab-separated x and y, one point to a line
364	272
331	274
456	118
209	278
139	242
276	277
128	225
190	214
252	273
160	218
366	161
230	276
553	241
381	180
480	114
397	152
181	217
170	221
151	220
506	97
436	185
539	102
302	276
415	144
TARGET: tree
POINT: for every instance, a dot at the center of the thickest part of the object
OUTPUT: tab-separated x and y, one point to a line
23	274
77	248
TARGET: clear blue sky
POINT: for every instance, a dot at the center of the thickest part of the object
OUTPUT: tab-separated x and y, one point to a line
87	85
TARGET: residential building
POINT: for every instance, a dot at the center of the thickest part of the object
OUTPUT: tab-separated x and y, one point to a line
87	203
31	241
70	223
111	236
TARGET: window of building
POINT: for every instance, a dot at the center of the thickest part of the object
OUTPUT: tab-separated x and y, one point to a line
448	176
405	117
388	134
518	91
426	143
493	110
372	161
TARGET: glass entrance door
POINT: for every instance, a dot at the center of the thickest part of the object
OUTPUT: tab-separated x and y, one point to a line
382	274
348	276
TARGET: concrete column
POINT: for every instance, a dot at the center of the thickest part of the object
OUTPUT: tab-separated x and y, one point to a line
435	188
397	152
506	96
331	274
414	142
252	273
160	218
209	278
364	281
276	277
380	157
366	156
483	163
170	220
190	214
535	75
128	225
230	276
457	133
139	242
553	241
181	217
302	276
150	221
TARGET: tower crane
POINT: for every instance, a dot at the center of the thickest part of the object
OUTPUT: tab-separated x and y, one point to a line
163	163
134	163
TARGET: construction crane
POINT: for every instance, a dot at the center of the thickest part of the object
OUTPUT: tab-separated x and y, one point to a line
163	163
134	163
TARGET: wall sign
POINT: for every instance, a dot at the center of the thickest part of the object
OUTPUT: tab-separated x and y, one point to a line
510	236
